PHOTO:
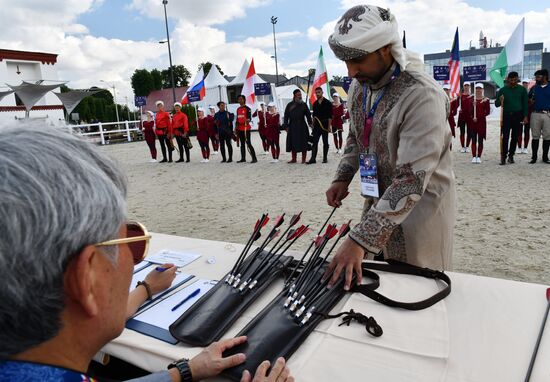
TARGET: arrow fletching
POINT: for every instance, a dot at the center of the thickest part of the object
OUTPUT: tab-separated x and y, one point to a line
279	220
303	231
297	233
295	219
290	234
266	220
274	234
344	229
318	241
548	294
257	236
333	231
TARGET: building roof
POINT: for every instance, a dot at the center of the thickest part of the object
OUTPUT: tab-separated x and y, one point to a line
164	95
479	52
44	58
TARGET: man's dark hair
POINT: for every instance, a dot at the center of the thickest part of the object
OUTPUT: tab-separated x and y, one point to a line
513	75
318	88
542	72
220	103
241	96
296	91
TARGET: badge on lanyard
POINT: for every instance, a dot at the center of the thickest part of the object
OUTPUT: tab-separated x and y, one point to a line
368	169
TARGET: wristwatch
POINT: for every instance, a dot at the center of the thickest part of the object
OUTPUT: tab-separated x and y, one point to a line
183	367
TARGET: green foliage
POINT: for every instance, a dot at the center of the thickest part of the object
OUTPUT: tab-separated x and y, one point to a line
181	77
206	66
336	80
157	79
191	113
142	82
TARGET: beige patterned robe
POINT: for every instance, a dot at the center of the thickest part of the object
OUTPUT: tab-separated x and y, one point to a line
413	220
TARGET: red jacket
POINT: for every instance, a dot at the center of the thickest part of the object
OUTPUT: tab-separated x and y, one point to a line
452	112
163	123
483	109
466	105
243	115
180	123
261	119
210	126
338	117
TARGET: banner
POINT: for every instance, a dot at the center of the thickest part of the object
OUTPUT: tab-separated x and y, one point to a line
140	101
346	83
194	95
474	73
441	73
262	89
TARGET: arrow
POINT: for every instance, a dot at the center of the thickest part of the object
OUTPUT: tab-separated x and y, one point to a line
534	356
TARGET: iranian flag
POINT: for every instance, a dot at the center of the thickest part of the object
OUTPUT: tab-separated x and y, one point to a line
248	86
512	54
321	78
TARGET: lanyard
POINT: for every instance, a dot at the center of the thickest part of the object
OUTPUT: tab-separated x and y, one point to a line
370	115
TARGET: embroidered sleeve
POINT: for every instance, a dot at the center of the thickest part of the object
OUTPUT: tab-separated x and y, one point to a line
421	143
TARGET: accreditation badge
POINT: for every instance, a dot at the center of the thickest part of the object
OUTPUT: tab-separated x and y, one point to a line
368	169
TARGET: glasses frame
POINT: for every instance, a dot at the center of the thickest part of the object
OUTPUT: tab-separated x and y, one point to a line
145	237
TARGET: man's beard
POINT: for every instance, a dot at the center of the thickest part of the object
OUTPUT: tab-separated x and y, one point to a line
539	82
299	100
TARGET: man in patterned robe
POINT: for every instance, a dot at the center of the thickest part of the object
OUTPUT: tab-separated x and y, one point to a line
413	218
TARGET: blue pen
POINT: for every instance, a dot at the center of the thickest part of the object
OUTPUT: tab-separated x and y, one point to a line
160	269
194	294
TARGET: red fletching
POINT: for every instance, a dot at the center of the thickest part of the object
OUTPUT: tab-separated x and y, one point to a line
257	236
290	234
257	224
261	221
279	220
275	233
333	231
295	219
318	241
303	231
344	229
548	294
329	229
297	233
266	220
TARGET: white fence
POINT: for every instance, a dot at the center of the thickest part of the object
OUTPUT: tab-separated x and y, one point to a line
105	130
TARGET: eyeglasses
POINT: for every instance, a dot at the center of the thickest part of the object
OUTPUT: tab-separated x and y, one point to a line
137	240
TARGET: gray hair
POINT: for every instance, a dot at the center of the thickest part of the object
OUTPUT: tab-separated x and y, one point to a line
58	194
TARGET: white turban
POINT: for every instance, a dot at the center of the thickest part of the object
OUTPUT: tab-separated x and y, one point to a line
364	29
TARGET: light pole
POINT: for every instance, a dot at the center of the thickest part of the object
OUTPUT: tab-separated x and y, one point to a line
274	21
114	97
128	106
164	2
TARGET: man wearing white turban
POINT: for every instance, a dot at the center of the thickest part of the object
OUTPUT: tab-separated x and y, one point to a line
398	119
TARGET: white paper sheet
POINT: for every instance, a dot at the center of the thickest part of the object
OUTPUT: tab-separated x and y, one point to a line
161	315
179	259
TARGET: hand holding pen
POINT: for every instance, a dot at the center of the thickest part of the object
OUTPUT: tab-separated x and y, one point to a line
161	278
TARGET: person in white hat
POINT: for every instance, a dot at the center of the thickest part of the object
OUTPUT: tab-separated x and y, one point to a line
272	130
480	111
213	134
180	124
149	134
464	121
163	129
260	113
398	120
337	122
453	109
202	135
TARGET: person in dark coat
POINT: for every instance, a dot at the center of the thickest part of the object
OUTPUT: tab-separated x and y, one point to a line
296	127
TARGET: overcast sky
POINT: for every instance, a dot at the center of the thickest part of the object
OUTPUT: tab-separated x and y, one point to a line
109	39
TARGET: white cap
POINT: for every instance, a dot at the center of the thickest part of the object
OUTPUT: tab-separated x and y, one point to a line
200	109
177	104
447	86
212	107
527	80
271	104
467	84
479	85
159	102
149	112
335	95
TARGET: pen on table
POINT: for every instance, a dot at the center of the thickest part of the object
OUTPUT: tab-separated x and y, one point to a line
195	293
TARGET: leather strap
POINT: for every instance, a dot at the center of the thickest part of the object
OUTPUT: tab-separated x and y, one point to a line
394	266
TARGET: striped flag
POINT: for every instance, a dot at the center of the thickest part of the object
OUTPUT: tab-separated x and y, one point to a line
454	67
321	78
512	54
248	86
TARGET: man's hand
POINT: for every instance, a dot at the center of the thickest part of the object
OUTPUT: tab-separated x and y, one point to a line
279	373
336	193
210	362
159	281
501	98
525	121
348	258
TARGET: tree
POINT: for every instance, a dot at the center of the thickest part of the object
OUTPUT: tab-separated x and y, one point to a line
206	66
181	76
142	82
157	79
336	80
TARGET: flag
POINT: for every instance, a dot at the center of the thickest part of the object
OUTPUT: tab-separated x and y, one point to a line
511	54
248	86
454	67
196	86
321	78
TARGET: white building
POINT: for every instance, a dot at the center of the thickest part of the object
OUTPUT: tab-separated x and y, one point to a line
17	66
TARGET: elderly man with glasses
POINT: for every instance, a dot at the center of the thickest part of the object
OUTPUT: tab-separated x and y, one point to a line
66	262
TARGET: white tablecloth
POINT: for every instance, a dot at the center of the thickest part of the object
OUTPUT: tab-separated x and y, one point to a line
484	331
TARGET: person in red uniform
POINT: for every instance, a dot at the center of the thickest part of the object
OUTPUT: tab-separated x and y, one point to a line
272	131
337	122
202	135
149	134
212	129
482	108
244	115
163	125
464	119
453	109
261	114
180	125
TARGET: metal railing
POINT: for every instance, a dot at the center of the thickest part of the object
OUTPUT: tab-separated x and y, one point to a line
104	132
